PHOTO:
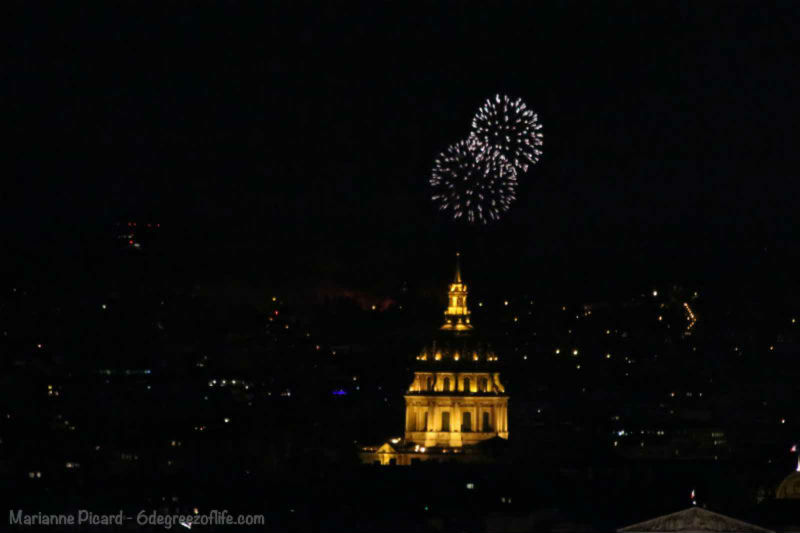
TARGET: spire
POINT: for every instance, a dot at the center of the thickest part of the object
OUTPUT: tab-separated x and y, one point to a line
457	314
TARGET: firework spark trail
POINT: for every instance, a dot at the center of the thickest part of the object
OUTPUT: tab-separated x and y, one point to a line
506	128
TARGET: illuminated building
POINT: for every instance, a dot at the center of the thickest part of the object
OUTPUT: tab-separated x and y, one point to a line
456	405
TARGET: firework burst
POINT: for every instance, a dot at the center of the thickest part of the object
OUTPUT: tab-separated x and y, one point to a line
507	128
472	189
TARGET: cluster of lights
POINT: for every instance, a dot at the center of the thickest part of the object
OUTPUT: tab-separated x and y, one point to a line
133	225
226	382
690	317
127	372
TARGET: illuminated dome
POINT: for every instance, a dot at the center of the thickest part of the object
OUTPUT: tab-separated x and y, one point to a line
464	350
456	400
790	487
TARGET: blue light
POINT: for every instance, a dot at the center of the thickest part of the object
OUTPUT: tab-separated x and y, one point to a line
340	392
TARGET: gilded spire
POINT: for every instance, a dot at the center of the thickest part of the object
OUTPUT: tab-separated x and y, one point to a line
457	314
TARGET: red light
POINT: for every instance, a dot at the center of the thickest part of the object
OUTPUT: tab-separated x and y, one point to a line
130	242
149	225
158	225
276	313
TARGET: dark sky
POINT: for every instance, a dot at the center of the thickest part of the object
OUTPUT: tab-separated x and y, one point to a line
670	132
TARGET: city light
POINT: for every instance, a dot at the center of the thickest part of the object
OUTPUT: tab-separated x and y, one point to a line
690	317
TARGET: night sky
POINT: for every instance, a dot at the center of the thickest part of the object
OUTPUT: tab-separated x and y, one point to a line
305	136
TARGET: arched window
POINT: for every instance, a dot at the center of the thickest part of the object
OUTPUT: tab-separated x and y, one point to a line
483	384
425	421
447	384
466	385
445	420
487	426
430	383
